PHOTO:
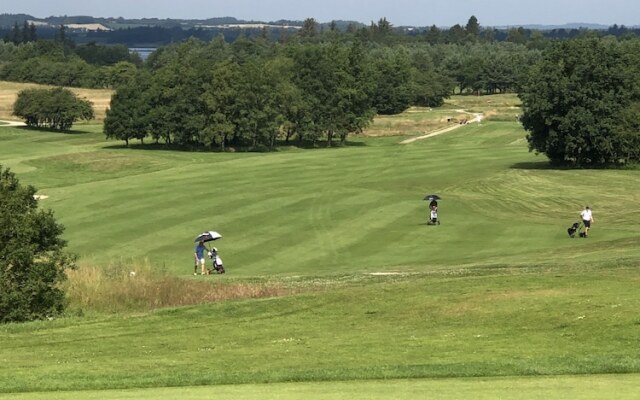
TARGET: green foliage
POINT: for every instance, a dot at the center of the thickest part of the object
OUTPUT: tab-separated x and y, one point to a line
393	93
60	63
56	108
579	103
128	115
96	54
32	260
249	94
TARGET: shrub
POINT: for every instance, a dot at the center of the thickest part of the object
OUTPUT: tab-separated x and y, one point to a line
32	257
56	108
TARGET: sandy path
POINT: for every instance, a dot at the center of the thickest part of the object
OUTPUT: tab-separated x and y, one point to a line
476	118
11	123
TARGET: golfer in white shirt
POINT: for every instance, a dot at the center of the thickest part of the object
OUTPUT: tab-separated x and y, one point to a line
587	219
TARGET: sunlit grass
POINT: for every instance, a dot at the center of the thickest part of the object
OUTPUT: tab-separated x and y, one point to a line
332	274
9	93
135	287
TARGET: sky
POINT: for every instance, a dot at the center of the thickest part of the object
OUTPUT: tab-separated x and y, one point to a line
444	13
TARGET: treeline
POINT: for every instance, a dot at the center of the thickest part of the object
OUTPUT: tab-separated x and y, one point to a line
24	57
251	93
313	87
581	103
477	58
154	32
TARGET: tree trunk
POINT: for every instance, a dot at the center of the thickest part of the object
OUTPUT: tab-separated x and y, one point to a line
329	137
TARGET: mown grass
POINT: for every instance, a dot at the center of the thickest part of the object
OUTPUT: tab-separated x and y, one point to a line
465	323
498	291
619	387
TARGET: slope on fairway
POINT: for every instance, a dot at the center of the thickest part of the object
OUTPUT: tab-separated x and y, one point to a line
357	208
584	387
482	322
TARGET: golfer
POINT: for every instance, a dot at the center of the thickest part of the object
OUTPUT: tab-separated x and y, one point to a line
199	253
587	219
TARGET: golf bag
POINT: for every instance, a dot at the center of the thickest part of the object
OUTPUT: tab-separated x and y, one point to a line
573	229
433	217
216	262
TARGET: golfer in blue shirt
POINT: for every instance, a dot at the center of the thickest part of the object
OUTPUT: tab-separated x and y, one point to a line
199	255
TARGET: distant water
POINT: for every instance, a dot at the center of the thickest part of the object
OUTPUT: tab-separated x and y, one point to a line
143	52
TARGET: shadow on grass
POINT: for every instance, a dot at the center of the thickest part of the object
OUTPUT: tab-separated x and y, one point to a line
546	165
49	130
536	165
280	146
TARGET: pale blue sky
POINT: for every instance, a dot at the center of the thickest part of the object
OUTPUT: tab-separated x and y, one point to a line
398	12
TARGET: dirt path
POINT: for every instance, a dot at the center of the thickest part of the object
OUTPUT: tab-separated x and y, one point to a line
11	123
477	117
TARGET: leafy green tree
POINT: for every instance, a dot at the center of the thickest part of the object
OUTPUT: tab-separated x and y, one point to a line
517	35
473	27
457	34
32	257
335	90
127	117
56	108
580	103
220	95
178	113
393	93
433	35
430	87
262	89
309	28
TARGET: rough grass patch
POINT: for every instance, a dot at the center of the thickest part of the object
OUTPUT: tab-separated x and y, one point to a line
122	288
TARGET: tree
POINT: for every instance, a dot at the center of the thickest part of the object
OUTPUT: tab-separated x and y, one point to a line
429	86
335	87
56	108
433	35
128	114
220	96
473	27
16	34
456	34
32	257
393	93
309	28
580	103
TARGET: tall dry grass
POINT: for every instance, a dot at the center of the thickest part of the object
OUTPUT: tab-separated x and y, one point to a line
122	288
9	93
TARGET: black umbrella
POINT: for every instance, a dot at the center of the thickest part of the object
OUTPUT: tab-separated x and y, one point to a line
208	236
432	197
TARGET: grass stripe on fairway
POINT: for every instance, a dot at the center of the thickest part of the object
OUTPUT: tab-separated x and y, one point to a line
498	292
586	387
466	323
357	208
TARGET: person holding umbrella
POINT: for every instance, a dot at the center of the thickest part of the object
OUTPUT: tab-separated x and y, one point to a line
433	209
199	255
200	250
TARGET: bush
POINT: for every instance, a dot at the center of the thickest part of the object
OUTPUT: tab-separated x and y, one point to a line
32	257
56	108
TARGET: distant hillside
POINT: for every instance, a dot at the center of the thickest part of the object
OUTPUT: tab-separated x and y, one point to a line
8	21
572	25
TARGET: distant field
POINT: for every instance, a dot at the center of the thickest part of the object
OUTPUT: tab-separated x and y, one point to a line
9	91
367	301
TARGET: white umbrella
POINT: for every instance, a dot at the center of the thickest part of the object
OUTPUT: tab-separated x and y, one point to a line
208	236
